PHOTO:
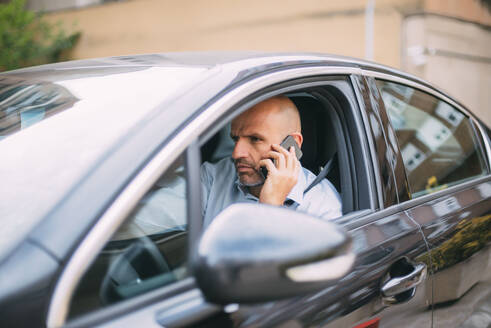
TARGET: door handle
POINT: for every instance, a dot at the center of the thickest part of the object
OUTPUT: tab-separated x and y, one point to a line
401	289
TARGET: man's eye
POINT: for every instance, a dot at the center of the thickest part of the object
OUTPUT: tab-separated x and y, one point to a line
255	139
235	139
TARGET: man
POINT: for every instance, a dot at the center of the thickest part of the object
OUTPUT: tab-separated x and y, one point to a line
257	134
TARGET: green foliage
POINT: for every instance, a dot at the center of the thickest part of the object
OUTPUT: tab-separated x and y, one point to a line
473	235
26	39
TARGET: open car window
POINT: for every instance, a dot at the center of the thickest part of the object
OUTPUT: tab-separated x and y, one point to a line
329	143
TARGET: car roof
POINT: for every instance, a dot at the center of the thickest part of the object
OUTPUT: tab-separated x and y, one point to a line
105	101
241	60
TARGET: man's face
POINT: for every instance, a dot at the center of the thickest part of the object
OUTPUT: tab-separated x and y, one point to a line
253	133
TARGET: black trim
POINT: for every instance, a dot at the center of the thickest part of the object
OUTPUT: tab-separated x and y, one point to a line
387	173
359	89
402	187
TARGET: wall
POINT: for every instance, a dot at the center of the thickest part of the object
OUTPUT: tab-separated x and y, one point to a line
454	55
142	26
469	10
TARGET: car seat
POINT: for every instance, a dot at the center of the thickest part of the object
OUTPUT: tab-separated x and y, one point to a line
319	143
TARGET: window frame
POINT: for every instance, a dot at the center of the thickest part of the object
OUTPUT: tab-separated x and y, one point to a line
377	129
318	89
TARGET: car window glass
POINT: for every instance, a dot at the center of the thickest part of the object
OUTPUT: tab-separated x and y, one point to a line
437	141
147	252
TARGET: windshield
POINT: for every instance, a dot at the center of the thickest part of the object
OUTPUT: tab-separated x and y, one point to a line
54	129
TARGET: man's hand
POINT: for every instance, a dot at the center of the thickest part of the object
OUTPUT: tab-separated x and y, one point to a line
282	177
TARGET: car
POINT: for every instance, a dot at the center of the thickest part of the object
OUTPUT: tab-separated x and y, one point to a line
101	197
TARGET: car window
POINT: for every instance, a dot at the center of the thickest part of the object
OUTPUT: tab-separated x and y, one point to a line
318	190
147	252
438	144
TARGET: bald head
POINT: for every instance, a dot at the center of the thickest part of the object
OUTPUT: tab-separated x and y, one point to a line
280	110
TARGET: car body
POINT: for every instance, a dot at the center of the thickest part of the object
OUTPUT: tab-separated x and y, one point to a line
86	145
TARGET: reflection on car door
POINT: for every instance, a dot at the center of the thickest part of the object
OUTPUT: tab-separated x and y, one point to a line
449	180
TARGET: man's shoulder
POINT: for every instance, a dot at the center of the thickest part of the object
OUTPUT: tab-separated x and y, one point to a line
224	168
223	164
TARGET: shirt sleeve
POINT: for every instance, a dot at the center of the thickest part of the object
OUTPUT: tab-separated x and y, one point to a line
332	213
332	205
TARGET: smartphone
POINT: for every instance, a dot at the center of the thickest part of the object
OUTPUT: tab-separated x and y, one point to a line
288	142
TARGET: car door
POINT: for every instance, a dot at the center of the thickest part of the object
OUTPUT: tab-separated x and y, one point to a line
117	290
447	171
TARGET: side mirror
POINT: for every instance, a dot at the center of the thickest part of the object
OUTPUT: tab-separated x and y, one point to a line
255	253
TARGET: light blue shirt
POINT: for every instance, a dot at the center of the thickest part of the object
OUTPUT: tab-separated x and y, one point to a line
221	188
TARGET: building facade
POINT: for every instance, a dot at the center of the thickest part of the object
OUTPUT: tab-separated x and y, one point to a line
447	42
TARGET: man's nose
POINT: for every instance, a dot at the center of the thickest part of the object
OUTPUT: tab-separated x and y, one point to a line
240	150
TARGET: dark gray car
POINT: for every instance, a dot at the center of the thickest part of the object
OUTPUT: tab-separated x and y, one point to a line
100	198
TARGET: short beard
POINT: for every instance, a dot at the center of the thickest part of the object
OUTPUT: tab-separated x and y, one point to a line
257	184
252	184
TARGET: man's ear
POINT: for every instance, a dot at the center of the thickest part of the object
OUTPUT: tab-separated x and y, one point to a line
298	138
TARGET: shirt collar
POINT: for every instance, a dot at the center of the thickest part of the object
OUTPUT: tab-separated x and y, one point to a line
244	190
296	194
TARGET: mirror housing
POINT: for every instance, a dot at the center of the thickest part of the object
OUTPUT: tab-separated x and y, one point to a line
257	253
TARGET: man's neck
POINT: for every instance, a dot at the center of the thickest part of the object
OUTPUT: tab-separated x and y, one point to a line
256	190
